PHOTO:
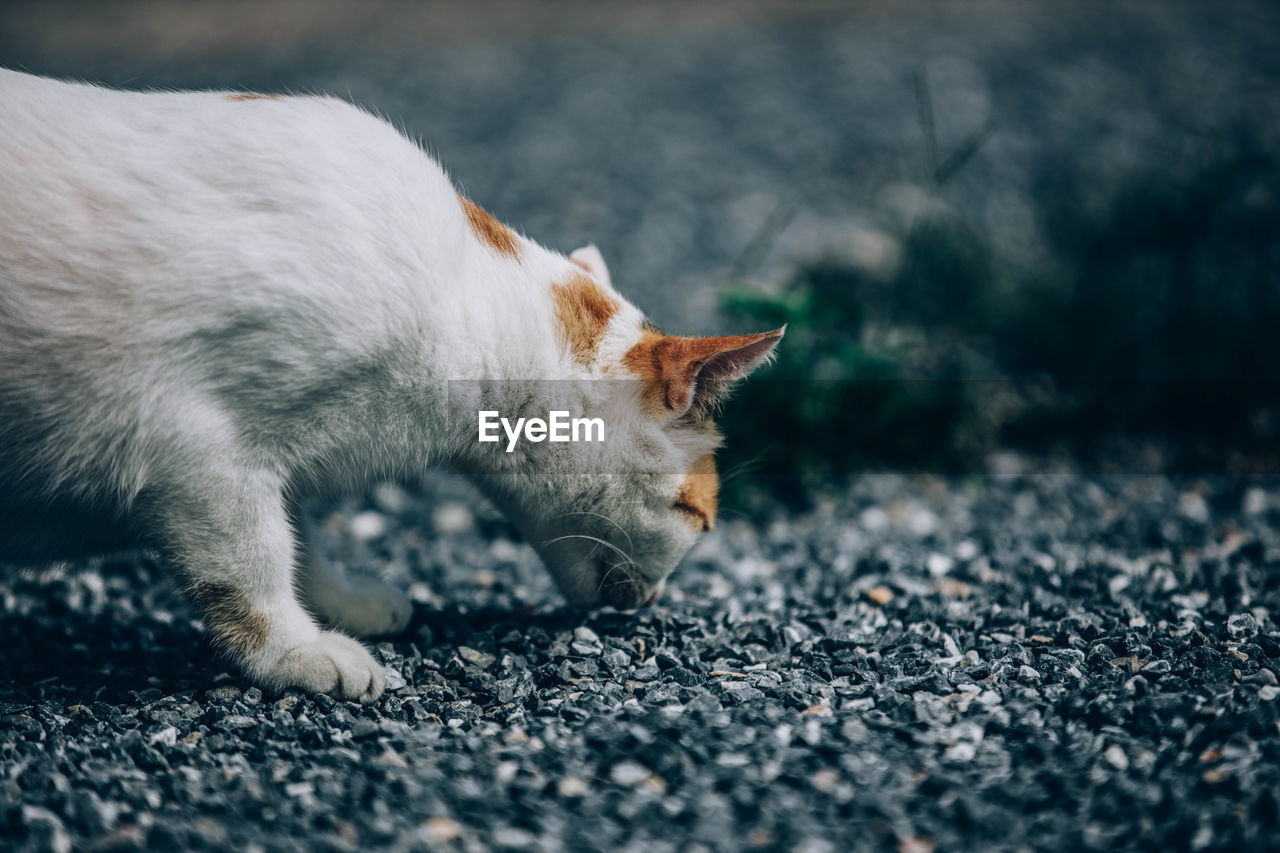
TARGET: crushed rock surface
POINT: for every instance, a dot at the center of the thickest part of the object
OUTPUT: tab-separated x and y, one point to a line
999	663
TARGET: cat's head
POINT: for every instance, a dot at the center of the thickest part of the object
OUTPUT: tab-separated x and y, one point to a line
611	519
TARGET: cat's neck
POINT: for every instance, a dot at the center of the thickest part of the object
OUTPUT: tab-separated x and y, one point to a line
508	350
489	330
507	328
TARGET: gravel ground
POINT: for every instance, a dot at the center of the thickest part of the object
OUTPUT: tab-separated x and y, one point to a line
999	664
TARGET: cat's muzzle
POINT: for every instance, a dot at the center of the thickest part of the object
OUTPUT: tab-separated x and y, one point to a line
621	588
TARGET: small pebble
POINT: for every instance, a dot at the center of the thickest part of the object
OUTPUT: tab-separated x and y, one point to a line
439	830
572	786
880	595
628	773
452	518
1242	626
368	525
1116	757
393	679
476	657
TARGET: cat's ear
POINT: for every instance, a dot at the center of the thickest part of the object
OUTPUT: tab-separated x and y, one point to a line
590	259
694	374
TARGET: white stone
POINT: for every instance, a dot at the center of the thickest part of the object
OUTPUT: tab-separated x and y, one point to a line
1192	505
1255	501
1116	757
167	736
939	564
628	773
452	518
368	525
392	679
874	518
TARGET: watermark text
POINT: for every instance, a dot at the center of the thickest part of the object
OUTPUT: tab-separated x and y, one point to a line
557	427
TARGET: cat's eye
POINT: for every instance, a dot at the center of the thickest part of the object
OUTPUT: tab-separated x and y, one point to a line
694	514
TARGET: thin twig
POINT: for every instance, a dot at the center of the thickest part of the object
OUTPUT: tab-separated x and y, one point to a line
753	254
924	106
964	152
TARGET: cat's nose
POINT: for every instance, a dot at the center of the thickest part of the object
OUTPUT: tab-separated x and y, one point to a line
658	589
630	594
624	595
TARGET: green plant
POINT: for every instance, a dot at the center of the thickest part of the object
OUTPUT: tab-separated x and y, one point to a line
831	404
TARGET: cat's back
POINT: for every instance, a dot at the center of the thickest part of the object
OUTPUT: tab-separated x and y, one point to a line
94	158
211	205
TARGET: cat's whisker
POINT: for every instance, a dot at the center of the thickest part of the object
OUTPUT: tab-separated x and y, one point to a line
605	577
621	553
743	468
621	529
627	578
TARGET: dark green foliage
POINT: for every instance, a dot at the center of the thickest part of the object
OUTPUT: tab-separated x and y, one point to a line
832	404
1167	317
1163	318
1156	316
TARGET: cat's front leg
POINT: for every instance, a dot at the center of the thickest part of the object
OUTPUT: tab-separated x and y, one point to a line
362	606
228	539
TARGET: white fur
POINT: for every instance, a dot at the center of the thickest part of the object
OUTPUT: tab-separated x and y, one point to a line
212	309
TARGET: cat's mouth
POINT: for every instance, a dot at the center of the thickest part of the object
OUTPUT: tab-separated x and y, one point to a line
620	587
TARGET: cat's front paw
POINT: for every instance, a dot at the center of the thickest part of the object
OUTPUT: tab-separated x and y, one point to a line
366	607
332	663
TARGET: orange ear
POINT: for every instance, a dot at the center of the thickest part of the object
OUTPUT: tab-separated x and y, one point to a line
692	373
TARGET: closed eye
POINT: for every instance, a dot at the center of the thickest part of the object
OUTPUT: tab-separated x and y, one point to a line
696	515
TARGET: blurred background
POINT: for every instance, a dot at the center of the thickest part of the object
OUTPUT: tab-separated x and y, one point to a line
1004	235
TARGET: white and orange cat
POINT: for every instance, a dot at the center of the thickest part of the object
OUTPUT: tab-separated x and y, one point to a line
215	305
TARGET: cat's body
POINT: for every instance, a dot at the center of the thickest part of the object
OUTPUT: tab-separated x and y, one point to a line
214	305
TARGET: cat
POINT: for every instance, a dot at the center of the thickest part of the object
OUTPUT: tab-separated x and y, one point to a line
217	305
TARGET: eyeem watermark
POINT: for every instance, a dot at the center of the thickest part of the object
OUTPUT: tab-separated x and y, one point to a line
557	427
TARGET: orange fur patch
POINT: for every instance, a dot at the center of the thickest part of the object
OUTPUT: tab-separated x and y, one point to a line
236	629
251	96
489	230
699	493
643	359
583	311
